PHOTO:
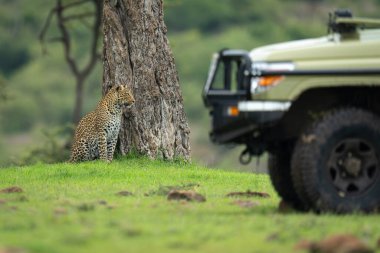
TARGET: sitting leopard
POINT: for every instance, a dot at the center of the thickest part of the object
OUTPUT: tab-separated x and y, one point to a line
96	134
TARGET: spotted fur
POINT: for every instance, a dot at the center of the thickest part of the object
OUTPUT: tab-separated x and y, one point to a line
96	134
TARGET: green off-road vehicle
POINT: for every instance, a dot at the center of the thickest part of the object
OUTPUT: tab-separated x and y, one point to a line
314	106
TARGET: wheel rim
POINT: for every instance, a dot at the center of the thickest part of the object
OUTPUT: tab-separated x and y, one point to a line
353	166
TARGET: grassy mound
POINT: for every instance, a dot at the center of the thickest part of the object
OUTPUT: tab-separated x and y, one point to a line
123	207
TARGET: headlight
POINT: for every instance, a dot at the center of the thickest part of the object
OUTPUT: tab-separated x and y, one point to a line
261	82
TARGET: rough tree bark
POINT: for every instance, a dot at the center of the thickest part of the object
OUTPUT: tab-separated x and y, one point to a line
137	53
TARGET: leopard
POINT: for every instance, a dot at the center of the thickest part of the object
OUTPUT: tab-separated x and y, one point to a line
97	132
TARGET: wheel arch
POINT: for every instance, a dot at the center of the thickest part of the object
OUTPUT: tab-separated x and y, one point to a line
312	103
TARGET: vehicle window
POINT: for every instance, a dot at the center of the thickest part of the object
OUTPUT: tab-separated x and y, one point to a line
226	76
218	83
234	75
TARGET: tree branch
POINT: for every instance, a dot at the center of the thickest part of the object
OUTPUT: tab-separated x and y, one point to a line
66	41
45	29
73	4
79	16
95	37
65	38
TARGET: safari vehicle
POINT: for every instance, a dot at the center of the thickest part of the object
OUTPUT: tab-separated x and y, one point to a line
314	106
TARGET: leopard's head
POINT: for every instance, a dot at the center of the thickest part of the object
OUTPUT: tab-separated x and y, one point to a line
124	95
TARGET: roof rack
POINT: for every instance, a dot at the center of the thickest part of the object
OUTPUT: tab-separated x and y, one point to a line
359	22
343	22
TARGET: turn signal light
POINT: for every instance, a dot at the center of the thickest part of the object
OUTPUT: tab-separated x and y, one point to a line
233	111
270	80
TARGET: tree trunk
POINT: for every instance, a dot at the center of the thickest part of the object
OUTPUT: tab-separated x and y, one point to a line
137	53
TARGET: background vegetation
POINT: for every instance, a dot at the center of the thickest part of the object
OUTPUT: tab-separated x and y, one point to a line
39	88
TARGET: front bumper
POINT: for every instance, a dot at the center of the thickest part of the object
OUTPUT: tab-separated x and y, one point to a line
253	116
263	106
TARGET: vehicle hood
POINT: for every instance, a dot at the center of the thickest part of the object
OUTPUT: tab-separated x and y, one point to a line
317	49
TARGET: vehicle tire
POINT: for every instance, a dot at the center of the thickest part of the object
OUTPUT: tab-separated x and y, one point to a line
336	163
279	172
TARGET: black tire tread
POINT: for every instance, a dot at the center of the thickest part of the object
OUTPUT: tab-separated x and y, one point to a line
303	162
279	172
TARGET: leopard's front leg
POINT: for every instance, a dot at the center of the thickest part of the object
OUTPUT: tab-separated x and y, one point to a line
111	145
103	146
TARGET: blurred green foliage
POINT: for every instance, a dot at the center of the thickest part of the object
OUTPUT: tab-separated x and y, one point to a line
54	146
3	92
40	88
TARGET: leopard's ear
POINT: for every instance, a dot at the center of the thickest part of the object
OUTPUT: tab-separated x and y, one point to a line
118	88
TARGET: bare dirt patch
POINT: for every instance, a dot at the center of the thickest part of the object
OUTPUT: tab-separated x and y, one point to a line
335	244
272	237
102	202
185	195
22	199
12	250
124	193
304	245
131	232
86	207
60	211
248	193
163	190
12	189
245	203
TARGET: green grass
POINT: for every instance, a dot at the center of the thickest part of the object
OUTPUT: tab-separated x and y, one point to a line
74	208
